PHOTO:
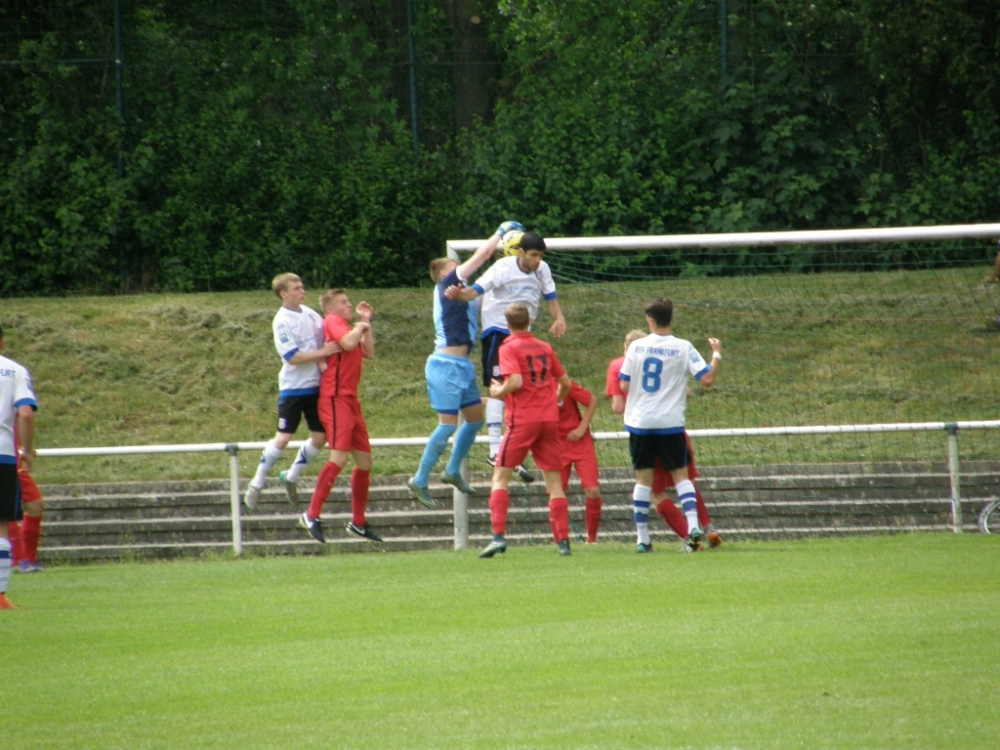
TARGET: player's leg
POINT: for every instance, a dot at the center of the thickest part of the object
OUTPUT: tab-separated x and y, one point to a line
513	448
585	461
444	394
495	407
547	450
312	448
643	460
361	452
289	415
472	419
31	523
336	422
704	519
10	510
16	546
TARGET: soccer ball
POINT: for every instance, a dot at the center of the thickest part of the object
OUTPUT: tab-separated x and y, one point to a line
511	243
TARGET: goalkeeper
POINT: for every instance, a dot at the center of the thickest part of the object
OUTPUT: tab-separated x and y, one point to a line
451	378
525	278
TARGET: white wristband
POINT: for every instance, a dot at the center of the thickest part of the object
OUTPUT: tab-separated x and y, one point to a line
716	355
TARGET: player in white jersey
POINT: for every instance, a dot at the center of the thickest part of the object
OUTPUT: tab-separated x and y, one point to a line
525	279
17	444
298	339
654	378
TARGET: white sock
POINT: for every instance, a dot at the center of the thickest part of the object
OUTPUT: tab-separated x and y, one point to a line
4	564
640	507
306	454
494	424
685	494
268	458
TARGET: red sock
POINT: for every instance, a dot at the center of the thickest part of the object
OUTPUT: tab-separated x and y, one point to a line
499	501
31	530
559	518
324	483
703	518
16	545
592	516
674	518
360	480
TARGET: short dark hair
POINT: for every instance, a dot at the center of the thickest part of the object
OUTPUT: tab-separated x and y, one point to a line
661	311
532	241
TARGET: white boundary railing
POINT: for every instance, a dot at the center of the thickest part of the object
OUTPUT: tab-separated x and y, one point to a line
461	512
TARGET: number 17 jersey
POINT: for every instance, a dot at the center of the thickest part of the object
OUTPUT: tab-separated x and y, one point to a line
657	368
536	362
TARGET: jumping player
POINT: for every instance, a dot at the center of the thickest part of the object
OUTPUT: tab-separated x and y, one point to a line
298	338
340	413
451	378
663	479
17	447
654	380
527	369
577	450
524	278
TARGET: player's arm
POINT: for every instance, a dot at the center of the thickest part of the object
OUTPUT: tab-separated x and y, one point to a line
364	311
706	380
300	357
461	293
26	435
558	327
484	251
511	383
588	414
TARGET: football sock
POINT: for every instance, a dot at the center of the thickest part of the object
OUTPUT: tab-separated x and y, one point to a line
640	507
306	454
559	518
685	493
592	517
494	423
4	565
464	439
31	530
499	500
360	480
704	520
432	452
16	545
268	458
673	517
324	483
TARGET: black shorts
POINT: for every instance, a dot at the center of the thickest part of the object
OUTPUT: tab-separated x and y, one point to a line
291	409
670	450
491	356
10	494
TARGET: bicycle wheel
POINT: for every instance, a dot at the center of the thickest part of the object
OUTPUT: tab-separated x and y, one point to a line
989	517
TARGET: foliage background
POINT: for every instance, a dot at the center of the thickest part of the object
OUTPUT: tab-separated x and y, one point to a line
256	137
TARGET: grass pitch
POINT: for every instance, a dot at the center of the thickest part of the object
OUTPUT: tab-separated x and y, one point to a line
863	642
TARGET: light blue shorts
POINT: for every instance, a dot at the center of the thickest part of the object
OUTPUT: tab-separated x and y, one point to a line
451	383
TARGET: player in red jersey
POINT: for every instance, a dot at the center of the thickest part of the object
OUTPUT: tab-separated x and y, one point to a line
528	368
340	412
662	480
577	449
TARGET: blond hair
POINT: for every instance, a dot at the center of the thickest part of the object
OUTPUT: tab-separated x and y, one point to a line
282	281
634	335
435	268
517	316
328	296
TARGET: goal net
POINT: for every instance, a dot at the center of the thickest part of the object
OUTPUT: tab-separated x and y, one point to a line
860	369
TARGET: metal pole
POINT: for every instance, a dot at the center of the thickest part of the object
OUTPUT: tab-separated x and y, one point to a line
724	35
953	470
413	78
234	498
120	159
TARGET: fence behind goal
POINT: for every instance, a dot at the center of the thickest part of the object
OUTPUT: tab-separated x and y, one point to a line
820	329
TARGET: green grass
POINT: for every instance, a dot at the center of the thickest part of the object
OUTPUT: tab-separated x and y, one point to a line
833	348
847	643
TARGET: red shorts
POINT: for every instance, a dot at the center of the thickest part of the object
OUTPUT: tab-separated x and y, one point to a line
29	490
343	424
663	479
582	456
541	438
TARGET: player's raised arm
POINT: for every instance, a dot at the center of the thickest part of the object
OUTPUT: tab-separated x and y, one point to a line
706	380
484	251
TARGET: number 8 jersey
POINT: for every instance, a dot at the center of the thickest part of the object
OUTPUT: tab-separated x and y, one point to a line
656	368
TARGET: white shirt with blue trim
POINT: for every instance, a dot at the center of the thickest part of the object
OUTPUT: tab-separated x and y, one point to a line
300	331
15	392
657	369
504	283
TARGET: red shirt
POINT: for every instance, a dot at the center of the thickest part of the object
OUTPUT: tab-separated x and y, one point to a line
536	363
612	385
343	369
569	412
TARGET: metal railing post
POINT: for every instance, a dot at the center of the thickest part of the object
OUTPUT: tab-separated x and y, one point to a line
953	470
234	497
